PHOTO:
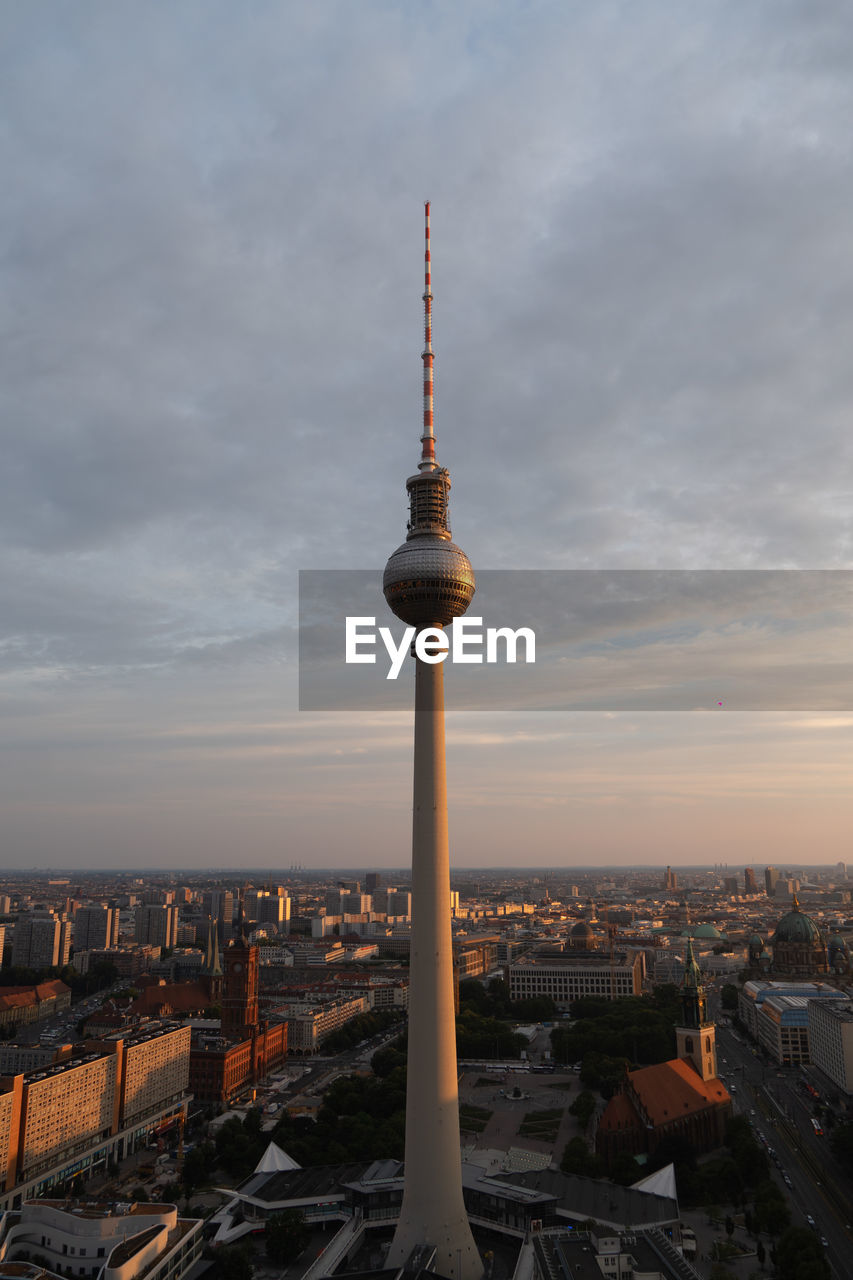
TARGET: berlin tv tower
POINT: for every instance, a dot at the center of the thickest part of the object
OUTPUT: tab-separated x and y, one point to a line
428	582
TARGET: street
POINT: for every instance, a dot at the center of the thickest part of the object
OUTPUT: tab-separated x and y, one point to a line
781	1117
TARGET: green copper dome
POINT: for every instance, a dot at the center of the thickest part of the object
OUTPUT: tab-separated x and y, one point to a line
796	926
702	931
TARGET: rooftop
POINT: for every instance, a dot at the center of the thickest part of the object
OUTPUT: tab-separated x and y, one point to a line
670	1090
584	1198
103	1209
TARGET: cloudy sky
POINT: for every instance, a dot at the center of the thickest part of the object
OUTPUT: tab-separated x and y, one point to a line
210	279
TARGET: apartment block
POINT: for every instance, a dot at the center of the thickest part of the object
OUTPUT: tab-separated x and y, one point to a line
308	1025
95	927
156	925
67	1107
18	1058
156	1070
41	939
274	909
101	1101
475	957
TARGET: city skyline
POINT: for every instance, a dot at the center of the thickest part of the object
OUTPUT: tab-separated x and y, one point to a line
644	308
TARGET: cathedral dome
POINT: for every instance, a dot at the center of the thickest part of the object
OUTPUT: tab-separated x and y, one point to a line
701	931
838	951
756	943
796	926
581	937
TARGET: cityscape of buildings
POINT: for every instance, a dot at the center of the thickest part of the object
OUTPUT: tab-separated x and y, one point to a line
244	988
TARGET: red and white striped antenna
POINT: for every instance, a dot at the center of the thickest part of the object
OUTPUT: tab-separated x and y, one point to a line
427	462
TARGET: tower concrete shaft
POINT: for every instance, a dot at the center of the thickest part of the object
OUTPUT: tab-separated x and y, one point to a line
433	1212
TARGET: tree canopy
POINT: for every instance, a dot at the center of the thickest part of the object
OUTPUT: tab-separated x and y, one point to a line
286	1236
637	1028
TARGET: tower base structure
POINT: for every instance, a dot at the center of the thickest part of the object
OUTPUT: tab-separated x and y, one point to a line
432	1215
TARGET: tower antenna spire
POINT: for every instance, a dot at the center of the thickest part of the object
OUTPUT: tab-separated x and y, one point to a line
427	462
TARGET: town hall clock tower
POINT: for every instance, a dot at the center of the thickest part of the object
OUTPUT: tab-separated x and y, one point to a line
240	995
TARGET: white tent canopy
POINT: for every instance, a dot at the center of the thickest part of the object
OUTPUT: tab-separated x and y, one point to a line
661	1183
274	1159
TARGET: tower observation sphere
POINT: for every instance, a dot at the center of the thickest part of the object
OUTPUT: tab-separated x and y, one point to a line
428	581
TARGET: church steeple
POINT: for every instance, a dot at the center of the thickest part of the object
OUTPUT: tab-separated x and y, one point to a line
211	971
696	1036
693	1004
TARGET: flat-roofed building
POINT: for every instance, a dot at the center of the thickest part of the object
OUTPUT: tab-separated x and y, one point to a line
783	1029
156	1070
11	1100
566	978
156	925
274	909
831	1040
382	995
754	995
309	1024
95	927
18	1058
65	1107
475	956
100	1102
41	940
304	953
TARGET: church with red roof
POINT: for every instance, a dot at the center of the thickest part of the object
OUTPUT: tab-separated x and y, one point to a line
683	1097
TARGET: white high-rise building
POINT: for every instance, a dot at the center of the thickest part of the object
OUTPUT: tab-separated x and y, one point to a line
274	908
831	1040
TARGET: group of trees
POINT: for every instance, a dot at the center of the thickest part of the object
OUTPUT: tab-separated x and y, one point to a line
637	1029
493	1001
101	975
484	1037
798	1255
841	1142
362	1118
739	1177
484	1024
579	1159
